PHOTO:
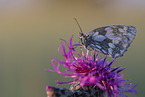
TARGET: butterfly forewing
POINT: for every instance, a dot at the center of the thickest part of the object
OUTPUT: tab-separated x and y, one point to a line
113	40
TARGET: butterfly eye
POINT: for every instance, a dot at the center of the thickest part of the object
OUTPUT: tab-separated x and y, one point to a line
81	34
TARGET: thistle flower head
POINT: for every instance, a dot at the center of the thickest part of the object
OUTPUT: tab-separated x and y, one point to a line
91	71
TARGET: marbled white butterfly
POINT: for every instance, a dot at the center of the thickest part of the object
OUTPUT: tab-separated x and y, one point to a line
112	40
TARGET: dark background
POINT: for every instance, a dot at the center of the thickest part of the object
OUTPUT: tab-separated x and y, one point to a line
30	32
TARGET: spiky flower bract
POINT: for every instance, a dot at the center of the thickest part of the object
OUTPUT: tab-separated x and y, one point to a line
91	71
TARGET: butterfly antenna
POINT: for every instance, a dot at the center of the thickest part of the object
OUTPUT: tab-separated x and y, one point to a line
78	25
80	30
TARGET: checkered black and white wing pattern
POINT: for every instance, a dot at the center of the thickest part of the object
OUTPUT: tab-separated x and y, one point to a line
112	40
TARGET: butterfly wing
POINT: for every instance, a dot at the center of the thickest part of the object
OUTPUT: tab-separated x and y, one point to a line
113	40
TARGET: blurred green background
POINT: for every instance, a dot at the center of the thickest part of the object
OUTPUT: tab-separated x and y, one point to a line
29	37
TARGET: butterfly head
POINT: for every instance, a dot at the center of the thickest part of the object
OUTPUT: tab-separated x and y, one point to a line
82	37
84	40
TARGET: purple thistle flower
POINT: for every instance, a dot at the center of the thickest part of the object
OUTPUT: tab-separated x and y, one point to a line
91	71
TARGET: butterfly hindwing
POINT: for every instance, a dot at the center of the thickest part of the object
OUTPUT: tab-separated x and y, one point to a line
113	40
